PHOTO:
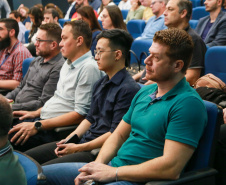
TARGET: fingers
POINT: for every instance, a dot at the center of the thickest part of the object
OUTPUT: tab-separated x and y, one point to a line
18	137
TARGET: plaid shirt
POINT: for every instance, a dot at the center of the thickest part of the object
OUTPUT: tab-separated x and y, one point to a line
13	58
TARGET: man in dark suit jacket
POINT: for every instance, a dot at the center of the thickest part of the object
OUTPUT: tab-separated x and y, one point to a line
212	28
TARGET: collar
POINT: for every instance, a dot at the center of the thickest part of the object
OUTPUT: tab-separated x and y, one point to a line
9	51
187	28
4	150
153	97
160	17
53	60
116	79
78	62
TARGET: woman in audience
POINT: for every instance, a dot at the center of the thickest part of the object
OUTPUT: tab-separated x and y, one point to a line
103	5
86	13
51	5
36	17
112	18
25	18
136	11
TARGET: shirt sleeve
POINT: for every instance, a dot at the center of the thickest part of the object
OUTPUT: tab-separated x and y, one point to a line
7	8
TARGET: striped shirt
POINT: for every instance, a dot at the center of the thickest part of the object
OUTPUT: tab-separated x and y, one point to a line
11	61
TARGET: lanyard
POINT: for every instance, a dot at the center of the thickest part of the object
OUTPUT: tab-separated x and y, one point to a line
8	54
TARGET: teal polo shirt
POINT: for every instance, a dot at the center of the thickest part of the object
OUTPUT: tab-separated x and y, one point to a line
179	115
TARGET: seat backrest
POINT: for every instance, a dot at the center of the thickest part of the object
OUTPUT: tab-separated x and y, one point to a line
193	23
32	169
196	3
199	12
100	22
136	27
124	13
204	155
26	34
215	62
62	21
26	64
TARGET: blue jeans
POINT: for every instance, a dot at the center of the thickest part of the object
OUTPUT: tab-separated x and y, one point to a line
65	173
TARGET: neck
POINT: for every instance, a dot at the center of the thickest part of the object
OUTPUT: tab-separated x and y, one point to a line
3	141
119	66
13	41
160	13
183	25
214	14
52	54
81	52
166	86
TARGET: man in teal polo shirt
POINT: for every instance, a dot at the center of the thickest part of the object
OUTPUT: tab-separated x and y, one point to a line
161	130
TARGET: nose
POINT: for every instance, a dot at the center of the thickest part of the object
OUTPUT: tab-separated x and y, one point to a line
97	57
165	12
61	43
148	60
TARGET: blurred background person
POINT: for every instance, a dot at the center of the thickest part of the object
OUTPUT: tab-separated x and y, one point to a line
4	4
51	5
124	5
136	11
103	5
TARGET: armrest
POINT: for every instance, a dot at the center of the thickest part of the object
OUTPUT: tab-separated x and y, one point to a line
63	132
204	176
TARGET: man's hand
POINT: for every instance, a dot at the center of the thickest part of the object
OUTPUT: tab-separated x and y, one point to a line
97	172
24	131
69	148
25	114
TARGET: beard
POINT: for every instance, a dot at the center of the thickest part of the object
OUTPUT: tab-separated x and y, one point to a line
4	43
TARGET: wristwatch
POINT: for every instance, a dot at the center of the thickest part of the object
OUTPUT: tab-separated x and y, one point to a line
38	125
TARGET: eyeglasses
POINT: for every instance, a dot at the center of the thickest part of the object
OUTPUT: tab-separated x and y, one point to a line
98	52
40	40
155	2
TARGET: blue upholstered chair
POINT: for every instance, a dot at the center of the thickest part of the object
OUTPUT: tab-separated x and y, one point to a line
136	27
215	62
199	169
196	3
33	169
62	21
26	34
100	22
25	65
193	23
199	12
124	13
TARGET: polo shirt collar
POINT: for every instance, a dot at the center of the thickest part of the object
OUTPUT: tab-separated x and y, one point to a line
53	60
117	78
4	150
77	63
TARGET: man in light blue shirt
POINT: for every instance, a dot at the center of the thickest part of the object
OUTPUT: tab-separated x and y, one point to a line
72	98
156	22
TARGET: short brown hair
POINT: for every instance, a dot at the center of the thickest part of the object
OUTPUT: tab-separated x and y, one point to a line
180	45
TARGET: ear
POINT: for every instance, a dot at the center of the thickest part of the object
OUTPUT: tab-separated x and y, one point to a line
56	19
54	45
80	40
118	55
12	33
178	65
184	13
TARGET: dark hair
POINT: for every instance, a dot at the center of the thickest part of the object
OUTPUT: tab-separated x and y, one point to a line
6	117
88	13
40	6
118	39
53	31
180	45
81	28
52	11
51	5
38	17
16	14
185	5
11	24
102	6
116	17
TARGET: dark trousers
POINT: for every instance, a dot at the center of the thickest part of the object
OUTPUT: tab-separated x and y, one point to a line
220	159
45	155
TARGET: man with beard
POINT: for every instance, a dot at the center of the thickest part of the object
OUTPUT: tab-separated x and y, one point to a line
212	27
41	79
71	10
12	55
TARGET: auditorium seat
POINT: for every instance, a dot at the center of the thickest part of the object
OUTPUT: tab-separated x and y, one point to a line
199	12
136	27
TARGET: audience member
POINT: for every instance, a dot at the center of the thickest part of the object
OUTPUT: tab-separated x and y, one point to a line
25	18
124	5
71	10
156	22
112	18
103	5
112	96
4	4
72	98
51	5
11	172
86	13
12	55
94	3
50	16
41	79
36	17
17	16
177	15
40	6
147	11
154	148
212	27
136	11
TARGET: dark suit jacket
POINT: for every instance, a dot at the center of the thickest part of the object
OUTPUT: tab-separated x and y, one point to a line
217	33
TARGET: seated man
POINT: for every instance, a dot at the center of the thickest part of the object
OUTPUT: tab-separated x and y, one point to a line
212	27
17	16
11	172
72	98
111	99
50	16
156	22
12	55
41	79
147	11
158	135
